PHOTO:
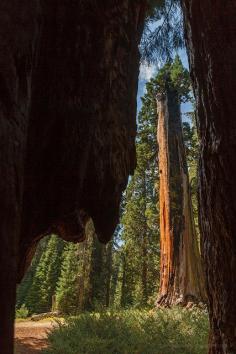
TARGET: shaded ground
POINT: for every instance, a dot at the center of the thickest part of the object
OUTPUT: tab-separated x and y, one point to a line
31	337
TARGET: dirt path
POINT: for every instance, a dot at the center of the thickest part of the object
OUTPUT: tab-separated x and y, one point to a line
31	337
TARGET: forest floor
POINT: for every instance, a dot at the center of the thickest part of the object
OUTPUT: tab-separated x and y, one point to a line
165	331
31	337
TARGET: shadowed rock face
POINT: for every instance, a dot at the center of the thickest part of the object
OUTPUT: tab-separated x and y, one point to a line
68	83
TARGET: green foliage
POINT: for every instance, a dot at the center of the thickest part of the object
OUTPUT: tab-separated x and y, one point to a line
191	142
39	298
97	277
175	331
67	287
24	288
139	223
139	269
22	312
84	282
124	273
154	8
174	76
163	31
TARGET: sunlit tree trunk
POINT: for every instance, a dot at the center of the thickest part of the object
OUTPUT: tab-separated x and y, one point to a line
144	269
114	282
181	278
210	29
123	282
82	276
108	265
96	294
144	245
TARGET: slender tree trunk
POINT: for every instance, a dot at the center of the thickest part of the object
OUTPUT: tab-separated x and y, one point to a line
96	276
181	279
210	28
108	271
144	269
114	281
123	283
144	246
82	276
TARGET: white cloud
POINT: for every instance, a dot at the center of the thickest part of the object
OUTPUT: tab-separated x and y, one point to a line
147	71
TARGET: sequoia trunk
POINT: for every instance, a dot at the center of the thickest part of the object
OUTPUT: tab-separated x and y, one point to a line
210	29
68	83
181	278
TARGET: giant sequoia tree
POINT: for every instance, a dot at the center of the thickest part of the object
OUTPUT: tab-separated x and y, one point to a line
181	279
210	29
68	125
68	82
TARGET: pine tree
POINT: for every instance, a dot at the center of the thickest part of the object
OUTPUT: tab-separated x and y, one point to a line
115	281
67	291
73	292
39	298
139	235
191	142
26	283
99	278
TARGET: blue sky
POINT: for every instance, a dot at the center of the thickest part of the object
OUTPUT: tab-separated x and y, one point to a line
149	71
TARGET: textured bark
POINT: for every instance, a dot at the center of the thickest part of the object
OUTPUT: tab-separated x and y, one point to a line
181	273
211	38
144	245
144	269
68	81
96	293
108	265
17	47
83	288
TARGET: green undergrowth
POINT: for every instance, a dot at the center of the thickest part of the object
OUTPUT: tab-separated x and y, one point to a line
22	313
164	331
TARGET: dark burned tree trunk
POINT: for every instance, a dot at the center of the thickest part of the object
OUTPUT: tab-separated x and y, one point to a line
181	277
68	81
17	47
211	38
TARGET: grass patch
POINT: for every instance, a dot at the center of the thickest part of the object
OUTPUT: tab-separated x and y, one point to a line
165	331
22	312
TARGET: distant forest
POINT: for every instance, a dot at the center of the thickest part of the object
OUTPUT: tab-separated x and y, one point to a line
128	271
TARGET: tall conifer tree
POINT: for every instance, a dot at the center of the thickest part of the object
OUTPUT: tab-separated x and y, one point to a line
39	298
181	270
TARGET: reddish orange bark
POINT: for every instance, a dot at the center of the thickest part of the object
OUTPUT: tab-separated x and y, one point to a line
181	272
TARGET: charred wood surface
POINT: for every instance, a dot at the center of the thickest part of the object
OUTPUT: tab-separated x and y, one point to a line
68	83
